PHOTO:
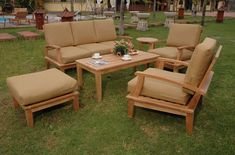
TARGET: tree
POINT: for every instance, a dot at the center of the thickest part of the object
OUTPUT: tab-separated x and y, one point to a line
203	12
154	8
121	24
72	5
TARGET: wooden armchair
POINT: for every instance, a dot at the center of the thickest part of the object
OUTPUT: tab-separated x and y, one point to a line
181	41
19	17
173	92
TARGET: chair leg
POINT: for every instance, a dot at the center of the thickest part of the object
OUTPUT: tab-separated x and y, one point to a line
131	108
189	123
134	69
15	103
75	103
29	117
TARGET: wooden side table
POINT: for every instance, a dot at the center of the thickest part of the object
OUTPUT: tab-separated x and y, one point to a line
147	40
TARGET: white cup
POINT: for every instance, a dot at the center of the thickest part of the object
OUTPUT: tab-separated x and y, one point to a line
126	56
96	55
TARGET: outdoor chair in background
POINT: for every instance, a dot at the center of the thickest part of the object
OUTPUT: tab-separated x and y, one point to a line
173	92
20	17
19	10
181	41
1	12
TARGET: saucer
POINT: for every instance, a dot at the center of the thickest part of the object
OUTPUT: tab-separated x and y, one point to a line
126	59
99	57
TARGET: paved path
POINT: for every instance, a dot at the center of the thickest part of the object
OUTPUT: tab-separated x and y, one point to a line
213	14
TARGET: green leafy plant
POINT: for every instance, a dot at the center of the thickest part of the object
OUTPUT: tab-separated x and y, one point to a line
121	47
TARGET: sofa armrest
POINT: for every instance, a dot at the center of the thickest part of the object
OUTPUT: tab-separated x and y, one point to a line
57	49
52	47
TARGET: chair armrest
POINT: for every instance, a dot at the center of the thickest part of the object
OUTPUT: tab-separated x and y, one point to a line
185	47
180	51
167	60
187	86
162	61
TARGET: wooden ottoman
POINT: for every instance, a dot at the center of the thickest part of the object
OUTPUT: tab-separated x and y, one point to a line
41	90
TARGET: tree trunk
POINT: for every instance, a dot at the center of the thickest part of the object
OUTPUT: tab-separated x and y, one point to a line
168	5
154	9
72	6
203	13
121	25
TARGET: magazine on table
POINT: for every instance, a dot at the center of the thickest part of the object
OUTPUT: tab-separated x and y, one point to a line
98	62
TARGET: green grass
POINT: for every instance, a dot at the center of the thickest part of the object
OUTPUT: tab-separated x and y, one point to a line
104	128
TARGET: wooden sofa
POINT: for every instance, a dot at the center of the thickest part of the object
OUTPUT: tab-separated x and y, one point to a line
69	41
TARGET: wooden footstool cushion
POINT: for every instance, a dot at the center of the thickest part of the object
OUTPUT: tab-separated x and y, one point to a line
40	90
6	37
29	35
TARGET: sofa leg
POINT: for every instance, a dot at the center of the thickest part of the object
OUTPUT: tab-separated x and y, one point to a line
75	103
15	103
29	117
47	64
62	69
131	108
189	123
175	69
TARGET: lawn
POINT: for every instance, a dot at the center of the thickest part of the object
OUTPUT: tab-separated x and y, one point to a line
104	128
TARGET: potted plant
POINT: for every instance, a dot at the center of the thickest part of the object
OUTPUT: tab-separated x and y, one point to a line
120	48
181	10
220	11
123	47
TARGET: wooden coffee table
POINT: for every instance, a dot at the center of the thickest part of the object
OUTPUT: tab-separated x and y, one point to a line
115	63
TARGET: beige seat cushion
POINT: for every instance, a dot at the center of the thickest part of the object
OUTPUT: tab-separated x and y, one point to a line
40	86
109	43
184	35
200	61
70	54
59	34
83	32
97	47
105	30
171	52
162	90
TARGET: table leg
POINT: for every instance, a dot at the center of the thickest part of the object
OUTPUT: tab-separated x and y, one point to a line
98	81
79	76
152	45
140	46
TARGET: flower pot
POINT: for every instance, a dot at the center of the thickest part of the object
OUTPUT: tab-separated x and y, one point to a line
181	13
220	16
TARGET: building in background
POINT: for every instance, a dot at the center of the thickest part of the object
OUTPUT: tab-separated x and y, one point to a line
140	5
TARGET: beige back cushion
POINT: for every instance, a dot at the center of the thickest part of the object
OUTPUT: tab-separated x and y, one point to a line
200	61
59	34
184	35
83	32
105	30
